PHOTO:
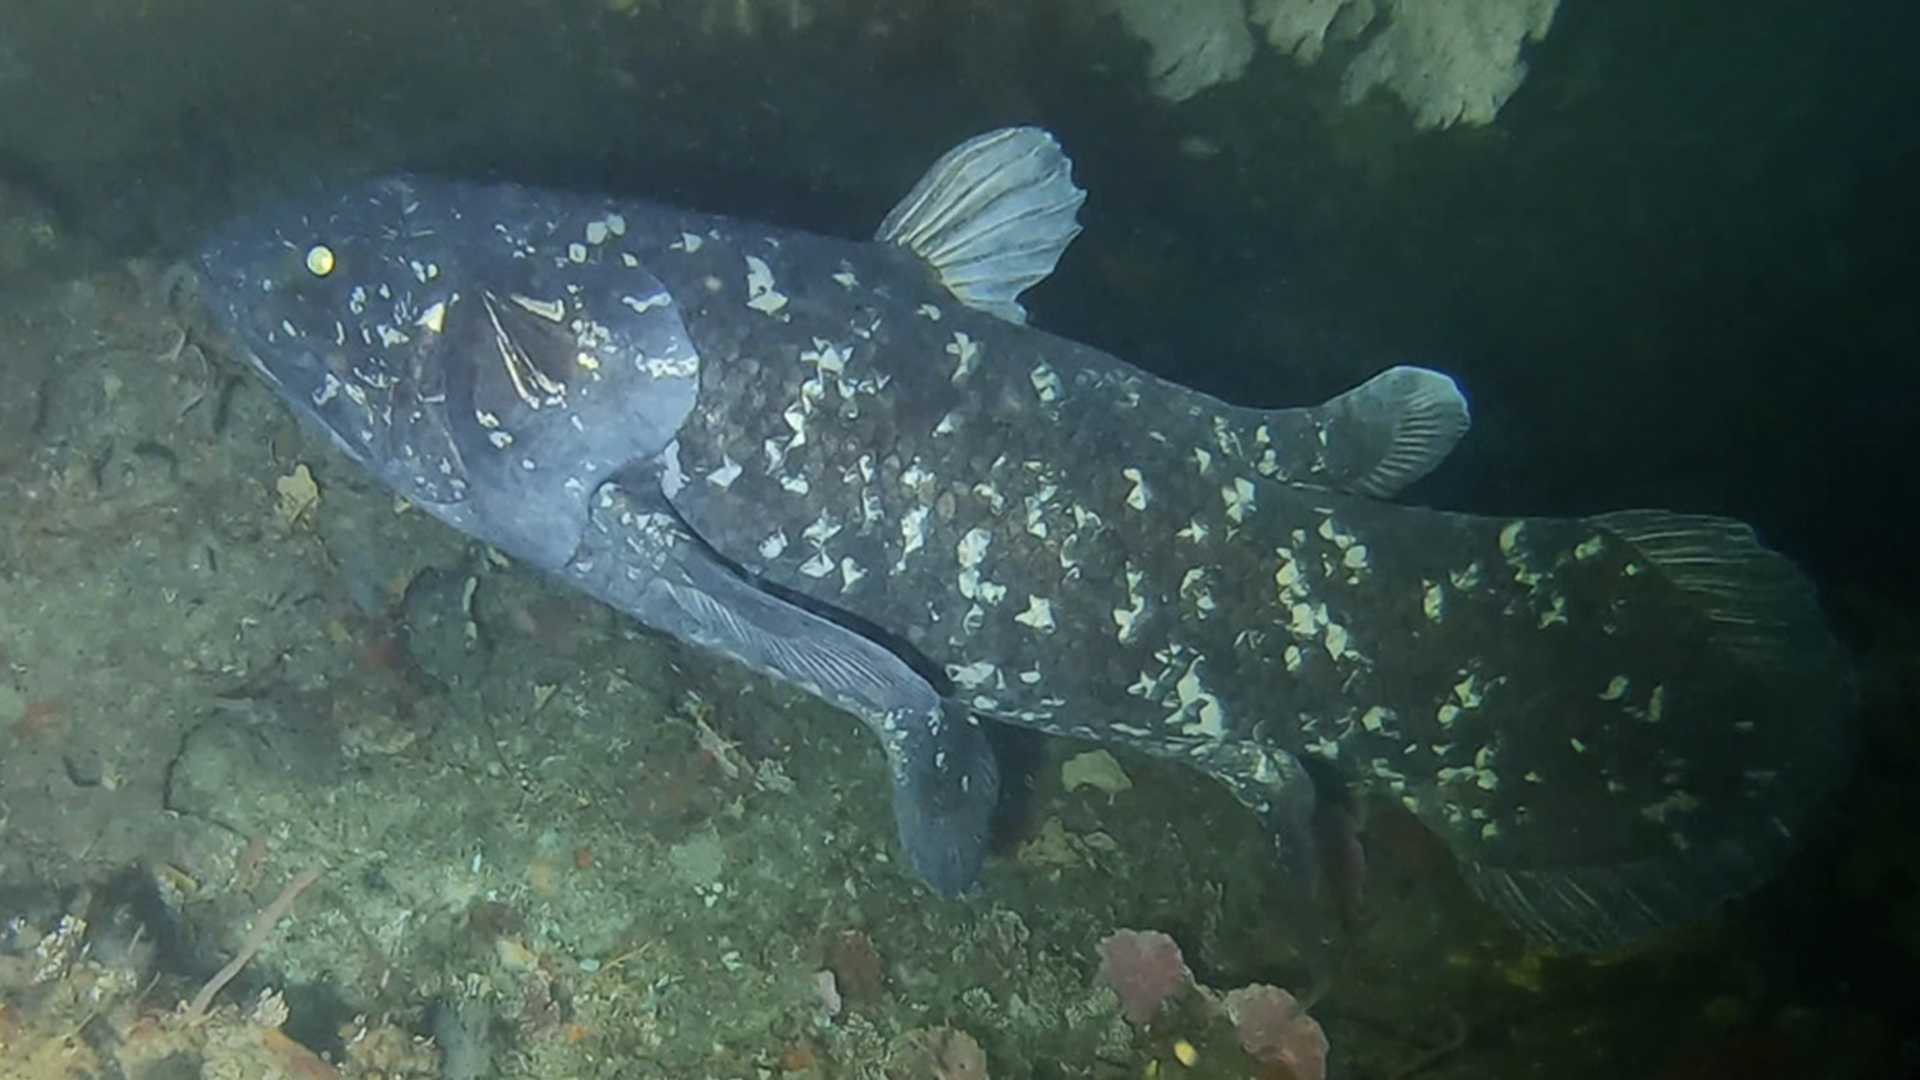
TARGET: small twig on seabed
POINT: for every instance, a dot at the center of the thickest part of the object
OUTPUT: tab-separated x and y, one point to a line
262	930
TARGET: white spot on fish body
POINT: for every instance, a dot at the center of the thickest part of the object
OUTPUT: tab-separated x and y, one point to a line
826	358
596	232
1193	533
1238	498
1336	640
1287	576
642	306
1301	621
1556	613
1202	460
822	529
796	483
846	279
850	573
500	439
819	566
1039	614
1199	712
1510	537
761	295
986	490
1036	507
971	676
1046	383
913	534
1294	658
576	252
1616	688
966	355
1588	548
330	388
972	547
928	312
796	418
688	243
1376	719
1227	439
1580	747
1137	497
1447	714
948	425
1355	558
724	476
1657	704
1465	580
1433	602
772	546
1127	619
1467	691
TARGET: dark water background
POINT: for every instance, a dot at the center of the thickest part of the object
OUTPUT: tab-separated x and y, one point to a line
1679	271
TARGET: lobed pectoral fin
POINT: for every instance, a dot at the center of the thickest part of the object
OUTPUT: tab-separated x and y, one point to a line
946	783
641	558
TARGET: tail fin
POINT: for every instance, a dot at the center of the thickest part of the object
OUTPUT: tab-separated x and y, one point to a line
1727	750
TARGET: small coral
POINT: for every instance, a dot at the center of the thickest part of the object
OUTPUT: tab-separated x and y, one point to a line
858	974
941	1053
1145	969
1273	1028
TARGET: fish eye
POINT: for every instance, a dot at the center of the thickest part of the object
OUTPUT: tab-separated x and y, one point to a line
320	260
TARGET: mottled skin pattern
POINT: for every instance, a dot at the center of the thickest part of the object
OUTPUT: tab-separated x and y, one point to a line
1614	721
1500	676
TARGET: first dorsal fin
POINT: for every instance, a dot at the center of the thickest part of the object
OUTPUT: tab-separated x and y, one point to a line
991	217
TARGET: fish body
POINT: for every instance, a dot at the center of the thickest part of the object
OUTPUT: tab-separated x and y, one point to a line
850	464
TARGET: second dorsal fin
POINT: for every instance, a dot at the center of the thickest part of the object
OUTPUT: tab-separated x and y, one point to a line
991	217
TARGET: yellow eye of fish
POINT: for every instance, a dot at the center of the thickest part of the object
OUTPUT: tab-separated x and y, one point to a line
320	260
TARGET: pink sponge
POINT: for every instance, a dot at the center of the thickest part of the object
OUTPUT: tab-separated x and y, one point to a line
1273	1028
1145	969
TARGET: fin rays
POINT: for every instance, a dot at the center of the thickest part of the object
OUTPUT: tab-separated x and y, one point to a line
991	217
1759	606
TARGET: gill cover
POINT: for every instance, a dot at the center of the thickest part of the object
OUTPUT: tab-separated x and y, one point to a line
491	352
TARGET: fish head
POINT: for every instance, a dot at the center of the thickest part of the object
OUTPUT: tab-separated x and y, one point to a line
290	283
459	341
